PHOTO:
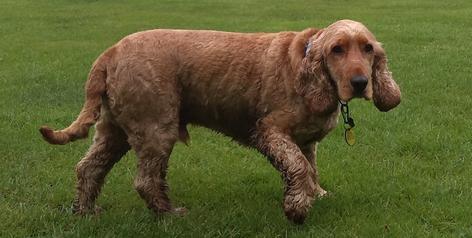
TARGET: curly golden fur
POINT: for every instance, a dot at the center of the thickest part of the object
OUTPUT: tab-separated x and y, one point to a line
268	91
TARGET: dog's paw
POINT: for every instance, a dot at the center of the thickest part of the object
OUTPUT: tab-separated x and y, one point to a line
320	192
97	210
295	217
179	211
86	210
296	207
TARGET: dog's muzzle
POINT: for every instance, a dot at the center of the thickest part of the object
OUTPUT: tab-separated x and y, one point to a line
359	83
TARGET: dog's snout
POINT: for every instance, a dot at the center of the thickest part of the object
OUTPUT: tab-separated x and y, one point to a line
359	83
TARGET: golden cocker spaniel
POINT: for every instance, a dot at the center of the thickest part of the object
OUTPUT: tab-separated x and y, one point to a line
277	92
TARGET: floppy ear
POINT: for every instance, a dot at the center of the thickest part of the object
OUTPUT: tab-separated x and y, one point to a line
313	81
386	92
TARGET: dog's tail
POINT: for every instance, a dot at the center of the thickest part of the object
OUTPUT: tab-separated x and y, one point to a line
95	88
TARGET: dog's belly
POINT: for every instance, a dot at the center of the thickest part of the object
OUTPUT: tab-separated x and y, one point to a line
235	122
223	97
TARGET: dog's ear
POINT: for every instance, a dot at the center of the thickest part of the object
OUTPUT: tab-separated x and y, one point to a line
313	81
386	93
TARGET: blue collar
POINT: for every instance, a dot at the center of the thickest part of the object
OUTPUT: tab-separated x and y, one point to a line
308	46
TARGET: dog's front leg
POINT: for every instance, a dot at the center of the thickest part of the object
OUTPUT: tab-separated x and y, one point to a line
297	172
310	153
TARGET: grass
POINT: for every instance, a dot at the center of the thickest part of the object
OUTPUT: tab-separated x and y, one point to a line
409	174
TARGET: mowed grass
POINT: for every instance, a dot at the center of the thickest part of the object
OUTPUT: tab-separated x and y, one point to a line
409	175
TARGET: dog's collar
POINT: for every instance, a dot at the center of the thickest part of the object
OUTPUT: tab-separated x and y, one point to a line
348	123
308	46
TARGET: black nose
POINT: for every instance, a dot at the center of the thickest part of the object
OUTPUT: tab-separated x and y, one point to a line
359	83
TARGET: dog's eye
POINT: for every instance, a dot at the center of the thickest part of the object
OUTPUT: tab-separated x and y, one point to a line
368	48
337	49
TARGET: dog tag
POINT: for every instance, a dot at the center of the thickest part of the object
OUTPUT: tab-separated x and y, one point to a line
349	136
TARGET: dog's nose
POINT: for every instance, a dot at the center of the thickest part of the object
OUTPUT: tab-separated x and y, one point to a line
359	83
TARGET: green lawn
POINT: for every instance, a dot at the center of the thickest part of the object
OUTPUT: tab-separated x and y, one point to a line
408	176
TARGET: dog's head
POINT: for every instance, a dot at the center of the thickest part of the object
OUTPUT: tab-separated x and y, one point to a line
347	55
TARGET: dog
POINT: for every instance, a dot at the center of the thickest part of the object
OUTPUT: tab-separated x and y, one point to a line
276	92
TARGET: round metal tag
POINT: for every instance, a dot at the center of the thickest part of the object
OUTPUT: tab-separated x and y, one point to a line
349	136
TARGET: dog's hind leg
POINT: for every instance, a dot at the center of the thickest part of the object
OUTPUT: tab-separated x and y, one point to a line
147	103
109	145
153	148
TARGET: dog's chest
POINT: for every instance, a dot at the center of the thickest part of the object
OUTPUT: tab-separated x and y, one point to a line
315	128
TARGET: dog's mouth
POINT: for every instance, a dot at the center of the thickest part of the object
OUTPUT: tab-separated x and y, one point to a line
363	95
357	94
347	91
354	95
